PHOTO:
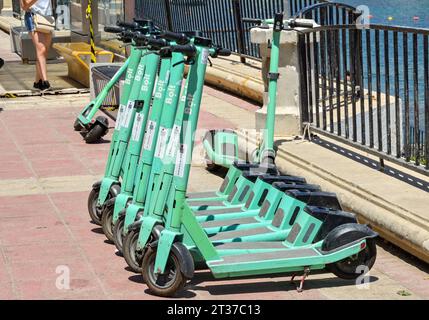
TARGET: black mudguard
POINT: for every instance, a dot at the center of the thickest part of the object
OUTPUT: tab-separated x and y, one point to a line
186	261
345	235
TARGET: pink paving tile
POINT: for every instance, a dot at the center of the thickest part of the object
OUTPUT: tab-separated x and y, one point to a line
57	168
6	291
15	208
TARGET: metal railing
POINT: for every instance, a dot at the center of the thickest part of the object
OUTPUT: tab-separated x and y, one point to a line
220	20
369	88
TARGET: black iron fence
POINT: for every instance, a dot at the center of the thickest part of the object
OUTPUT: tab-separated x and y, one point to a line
369	88
220	20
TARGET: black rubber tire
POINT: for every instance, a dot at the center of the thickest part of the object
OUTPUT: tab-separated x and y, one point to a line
94	212
95	134
107	219
77	126
169	289
118	229
133	259
346	269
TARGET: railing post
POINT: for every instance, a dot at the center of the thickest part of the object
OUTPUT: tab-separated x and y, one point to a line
239	26
168	14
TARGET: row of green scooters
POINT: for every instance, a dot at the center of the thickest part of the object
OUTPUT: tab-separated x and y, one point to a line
258	222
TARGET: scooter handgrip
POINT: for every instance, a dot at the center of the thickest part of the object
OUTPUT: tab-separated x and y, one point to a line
143	22
179	38
252	21
128	25
113	29
187	50
157	43
224	52
301	24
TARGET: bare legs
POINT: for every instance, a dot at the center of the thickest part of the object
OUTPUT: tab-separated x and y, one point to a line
42	43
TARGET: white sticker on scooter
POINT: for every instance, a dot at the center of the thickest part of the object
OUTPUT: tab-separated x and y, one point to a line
204	56
119	117
162	143
173	145
148	139
128	114
137	128
179	170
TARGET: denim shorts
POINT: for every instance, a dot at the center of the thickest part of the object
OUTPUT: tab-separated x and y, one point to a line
29	21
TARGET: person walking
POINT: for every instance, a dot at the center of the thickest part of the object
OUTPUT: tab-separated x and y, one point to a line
39	22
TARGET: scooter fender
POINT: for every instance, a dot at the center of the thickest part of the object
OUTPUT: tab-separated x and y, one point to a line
165	245
187	266
130	218
146	227
121	202
107	186
347	234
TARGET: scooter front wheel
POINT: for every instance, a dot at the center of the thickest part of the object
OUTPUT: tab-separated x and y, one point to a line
93	209
107	219
118	230
168	283
360	264
132	256
77	125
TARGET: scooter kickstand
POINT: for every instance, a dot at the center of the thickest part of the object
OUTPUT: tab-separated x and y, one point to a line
301	283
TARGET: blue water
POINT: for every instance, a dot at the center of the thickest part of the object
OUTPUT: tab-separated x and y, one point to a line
401	11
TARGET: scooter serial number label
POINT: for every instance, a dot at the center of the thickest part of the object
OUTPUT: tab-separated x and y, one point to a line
120	116
137	129
148	140
215	310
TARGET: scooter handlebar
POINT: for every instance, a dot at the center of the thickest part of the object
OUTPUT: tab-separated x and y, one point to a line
252	21
157	43
223	52
128	25
300	24
113	29
188	50
179	38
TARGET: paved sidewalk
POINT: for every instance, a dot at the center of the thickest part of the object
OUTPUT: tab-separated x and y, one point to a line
45	177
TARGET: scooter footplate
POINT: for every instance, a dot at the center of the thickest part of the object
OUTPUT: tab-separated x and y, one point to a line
228	223
207	203
267	256
216	212
202	195
250	245
239	234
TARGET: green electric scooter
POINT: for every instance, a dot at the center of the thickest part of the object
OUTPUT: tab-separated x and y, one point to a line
155	142
168	263
191	95
131	167
92	129
109	187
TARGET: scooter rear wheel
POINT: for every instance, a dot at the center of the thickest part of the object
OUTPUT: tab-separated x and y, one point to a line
98	131
132	256
351	268
168	283
118	230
